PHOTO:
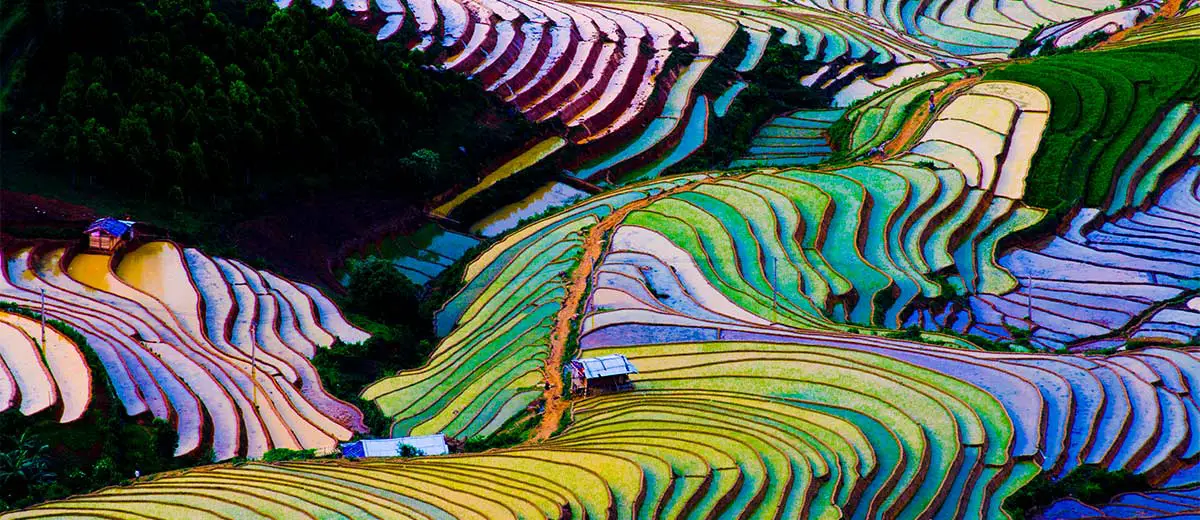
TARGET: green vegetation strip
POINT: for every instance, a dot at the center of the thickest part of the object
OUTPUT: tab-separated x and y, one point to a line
1102	104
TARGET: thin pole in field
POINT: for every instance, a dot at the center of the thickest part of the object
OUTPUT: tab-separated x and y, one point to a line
775	288
1029	300
43	313
254	372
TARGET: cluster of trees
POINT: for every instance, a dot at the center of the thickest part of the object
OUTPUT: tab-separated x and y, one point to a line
1027	46
399	316
774	88
41	459
195	101
1089	484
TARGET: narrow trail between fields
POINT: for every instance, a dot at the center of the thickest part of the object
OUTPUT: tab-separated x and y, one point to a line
596	240
923	117
594	246
1169	8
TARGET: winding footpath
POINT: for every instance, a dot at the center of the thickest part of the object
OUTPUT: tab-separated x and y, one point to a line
922	118
594	246
1169	8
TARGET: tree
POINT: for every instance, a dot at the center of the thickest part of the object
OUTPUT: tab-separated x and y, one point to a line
423	166
378	291
194	163
23	466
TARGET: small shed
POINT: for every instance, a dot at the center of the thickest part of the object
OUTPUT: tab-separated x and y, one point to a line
106	235
602	374
425	445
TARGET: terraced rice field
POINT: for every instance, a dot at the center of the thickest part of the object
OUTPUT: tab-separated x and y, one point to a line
39	373
212	345
779	447
528	158
547	198
1111	22
827	424
762	243
1107	104
1185	24
1123	411
1123	272
488	365
424	254
1158	504
877	119
1152	504
598	67
796	139
759	306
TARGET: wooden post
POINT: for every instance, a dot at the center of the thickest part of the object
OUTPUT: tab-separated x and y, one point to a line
43	313
254	370
774	289
1029	302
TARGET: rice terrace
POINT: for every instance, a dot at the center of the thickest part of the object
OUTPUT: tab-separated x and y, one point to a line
620	259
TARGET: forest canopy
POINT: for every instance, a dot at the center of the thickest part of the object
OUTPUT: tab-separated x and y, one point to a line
192	101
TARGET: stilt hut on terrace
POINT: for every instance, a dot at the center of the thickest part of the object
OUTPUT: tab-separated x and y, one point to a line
601	374
106	235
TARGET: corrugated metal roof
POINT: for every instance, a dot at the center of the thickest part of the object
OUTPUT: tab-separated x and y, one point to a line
425	444
604	366
353	450
112	226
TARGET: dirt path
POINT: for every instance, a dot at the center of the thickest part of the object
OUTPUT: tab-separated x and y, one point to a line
594	246
1169	8
920	119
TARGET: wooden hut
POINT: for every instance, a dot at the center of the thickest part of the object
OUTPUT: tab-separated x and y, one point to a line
601	374
107	234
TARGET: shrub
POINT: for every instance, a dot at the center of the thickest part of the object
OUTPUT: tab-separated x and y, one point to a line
1089	484
514	431
912	333
563	423
346	369
1088	41
400	324
1028	44
284	454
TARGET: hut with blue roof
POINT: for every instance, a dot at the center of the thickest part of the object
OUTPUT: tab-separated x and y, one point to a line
105	235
